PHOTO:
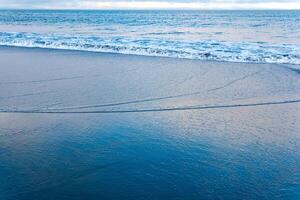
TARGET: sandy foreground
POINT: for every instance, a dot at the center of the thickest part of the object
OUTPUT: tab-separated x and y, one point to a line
79	125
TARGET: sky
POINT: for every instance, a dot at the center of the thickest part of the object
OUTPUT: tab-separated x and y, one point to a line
151	4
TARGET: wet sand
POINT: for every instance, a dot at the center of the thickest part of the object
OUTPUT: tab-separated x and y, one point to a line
77	125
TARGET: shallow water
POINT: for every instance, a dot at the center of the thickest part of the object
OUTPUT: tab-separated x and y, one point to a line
240	36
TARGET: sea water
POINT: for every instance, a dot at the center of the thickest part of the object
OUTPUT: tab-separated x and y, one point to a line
238	36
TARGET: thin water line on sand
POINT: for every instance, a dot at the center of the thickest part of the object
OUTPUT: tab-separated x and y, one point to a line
27	95
43	80
200	107
58	79
157	98
236	80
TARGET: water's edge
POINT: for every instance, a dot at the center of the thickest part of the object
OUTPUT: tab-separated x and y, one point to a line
289	65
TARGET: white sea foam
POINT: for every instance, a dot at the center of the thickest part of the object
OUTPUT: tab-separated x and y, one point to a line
203	50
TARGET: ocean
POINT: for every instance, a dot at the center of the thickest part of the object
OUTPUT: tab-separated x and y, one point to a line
235	36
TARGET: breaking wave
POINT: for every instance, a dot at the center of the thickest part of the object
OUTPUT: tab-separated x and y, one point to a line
204	50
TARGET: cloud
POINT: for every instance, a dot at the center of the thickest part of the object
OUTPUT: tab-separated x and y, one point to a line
188	5
151	4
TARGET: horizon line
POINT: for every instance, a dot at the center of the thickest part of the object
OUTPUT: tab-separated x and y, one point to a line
156	9
157	5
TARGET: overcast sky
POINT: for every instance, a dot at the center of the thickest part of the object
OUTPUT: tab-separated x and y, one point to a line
151	4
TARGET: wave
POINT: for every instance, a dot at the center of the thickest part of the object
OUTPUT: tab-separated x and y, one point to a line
254	52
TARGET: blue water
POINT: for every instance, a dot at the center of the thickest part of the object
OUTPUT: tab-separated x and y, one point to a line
238	36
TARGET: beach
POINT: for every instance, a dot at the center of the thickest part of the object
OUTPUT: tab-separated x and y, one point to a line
77	124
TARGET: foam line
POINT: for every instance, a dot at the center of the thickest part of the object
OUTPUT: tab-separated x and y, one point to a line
200	107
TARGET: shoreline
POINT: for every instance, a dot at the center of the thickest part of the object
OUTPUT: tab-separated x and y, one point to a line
151	56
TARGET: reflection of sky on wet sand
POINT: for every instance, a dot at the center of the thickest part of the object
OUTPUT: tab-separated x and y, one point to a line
250	152
235	151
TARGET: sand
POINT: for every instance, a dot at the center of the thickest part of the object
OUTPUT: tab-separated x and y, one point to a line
88	125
